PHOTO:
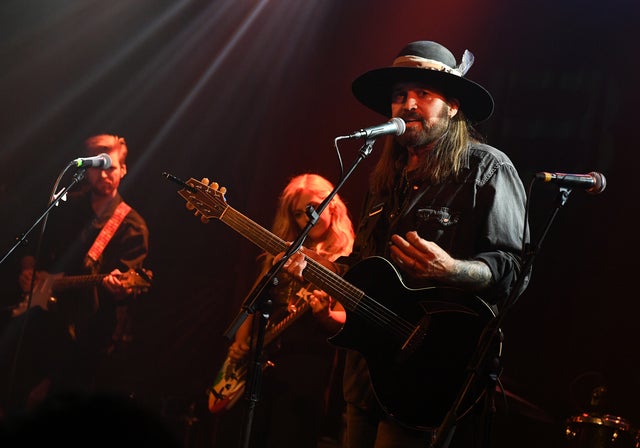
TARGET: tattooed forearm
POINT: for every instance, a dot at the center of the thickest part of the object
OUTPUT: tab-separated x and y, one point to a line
472	274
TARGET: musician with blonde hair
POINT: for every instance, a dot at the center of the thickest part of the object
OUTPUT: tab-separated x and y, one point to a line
292	410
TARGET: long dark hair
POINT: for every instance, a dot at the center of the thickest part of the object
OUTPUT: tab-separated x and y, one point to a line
445	161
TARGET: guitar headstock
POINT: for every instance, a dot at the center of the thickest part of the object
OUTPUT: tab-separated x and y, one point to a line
137	279
205	197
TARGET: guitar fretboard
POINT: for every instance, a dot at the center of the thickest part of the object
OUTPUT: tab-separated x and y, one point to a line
210	203
76	281
327	280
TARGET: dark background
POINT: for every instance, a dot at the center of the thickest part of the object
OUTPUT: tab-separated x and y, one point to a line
250	93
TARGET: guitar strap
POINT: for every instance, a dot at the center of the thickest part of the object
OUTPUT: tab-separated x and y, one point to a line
106	233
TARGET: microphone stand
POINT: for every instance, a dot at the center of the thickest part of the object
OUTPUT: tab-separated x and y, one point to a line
259	301
77	177
444	434
53	201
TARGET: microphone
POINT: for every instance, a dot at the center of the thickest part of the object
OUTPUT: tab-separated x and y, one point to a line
102	161
594	182
395	126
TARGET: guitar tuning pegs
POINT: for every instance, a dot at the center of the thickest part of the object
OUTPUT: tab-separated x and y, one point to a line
190	206
205	180
214	185
204	220
223	190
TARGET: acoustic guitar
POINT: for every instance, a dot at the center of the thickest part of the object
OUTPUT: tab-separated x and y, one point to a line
418	343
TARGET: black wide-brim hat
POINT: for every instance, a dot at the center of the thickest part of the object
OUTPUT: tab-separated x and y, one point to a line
430	63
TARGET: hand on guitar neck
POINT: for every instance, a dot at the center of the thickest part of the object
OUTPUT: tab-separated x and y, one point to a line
45	285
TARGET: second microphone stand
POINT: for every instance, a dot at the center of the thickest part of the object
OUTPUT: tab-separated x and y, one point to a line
491	333
54	200
258	300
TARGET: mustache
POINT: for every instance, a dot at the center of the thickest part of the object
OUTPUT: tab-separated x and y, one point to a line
412	117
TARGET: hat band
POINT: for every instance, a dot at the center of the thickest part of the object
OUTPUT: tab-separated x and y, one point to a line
429	64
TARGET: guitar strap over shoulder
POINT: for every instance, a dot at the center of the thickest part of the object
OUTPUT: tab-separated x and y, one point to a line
106	233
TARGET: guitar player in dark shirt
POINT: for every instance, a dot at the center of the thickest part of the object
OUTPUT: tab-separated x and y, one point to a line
93	244
444	220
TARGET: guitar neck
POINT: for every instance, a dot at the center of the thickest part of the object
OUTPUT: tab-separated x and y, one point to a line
330	282
252	231
285	323
76	282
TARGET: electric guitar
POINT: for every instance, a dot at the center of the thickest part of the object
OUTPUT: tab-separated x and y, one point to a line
47	285
417	342
230	382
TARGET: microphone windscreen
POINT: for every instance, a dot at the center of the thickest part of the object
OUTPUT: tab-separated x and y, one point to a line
600	183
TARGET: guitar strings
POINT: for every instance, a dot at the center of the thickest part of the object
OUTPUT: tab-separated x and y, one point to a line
362	304
356	300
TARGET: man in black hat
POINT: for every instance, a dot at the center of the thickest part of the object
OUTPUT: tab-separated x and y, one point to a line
448	212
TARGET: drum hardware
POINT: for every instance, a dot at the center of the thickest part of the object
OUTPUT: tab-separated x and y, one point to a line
596	430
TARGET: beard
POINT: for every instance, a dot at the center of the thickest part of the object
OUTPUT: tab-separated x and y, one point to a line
103	188
427	133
